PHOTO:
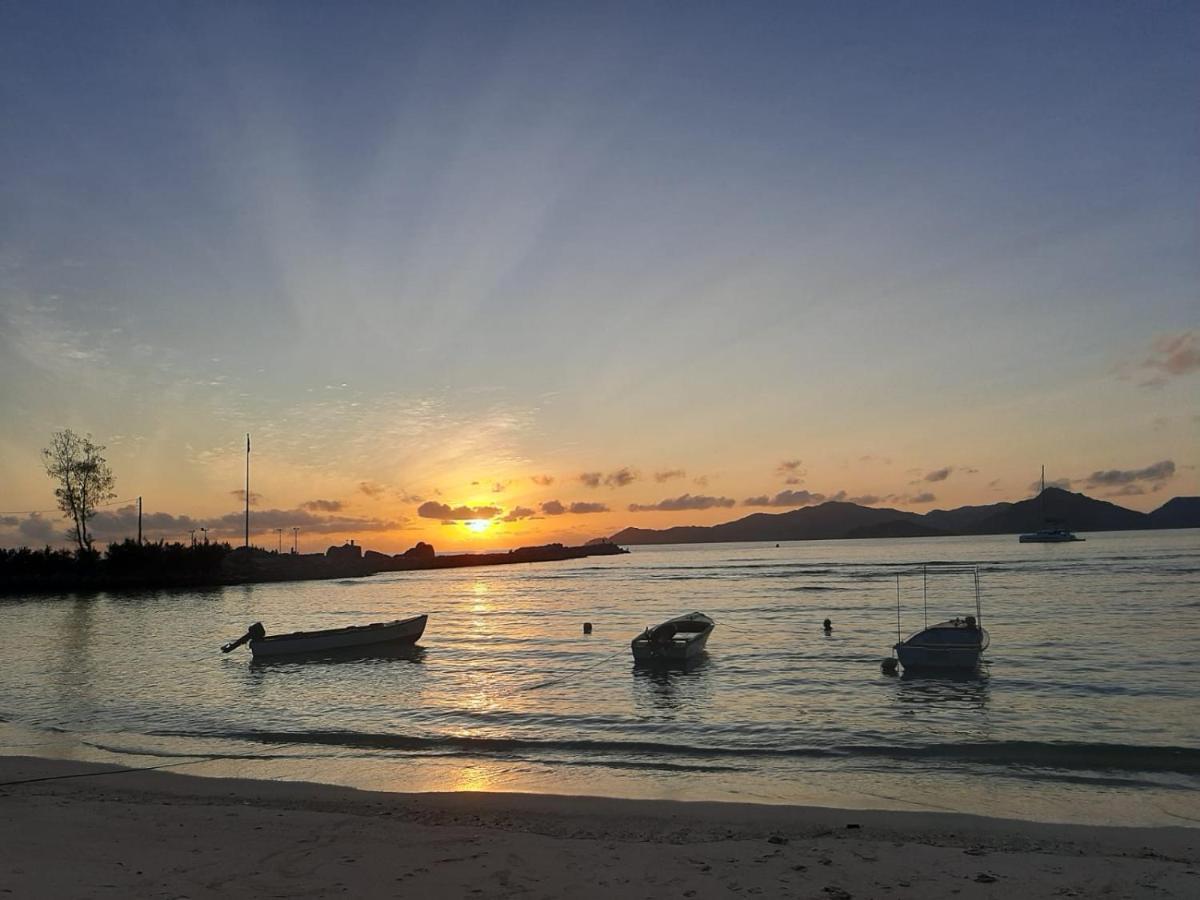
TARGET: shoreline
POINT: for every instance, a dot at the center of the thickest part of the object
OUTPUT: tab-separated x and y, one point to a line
157	833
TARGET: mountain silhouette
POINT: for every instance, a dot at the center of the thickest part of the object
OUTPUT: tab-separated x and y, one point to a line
837	519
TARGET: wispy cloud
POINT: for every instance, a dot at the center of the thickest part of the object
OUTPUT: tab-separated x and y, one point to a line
322	505
543	480
1154	475
939	474
519	512
240	494
684	502
557	508
668	474
786	498
1172	355
372	489
616	479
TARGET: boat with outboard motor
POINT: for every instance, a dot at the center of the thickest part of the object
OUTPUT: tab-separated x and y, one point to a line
354	637
954	645
675	640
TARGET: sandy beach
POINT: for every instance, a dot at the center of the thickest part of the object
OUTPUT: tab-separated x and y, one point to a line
72	829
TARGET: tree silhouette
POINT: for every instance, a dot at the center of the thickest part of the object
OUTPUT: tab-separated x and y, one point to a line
84	480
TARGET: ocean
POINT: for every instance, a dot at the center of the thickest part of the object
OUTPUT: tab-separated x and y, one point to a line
1086	708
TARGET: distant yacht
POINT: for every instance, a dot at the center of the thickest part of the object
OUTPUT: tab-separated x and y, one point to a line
1048	535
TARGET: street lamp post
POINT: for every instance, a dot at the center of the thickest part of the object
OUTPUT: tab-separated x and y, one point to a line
295	539
205	530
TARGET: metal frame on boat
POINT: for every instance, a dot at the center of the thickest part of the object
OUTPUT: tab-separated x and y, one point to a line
953	645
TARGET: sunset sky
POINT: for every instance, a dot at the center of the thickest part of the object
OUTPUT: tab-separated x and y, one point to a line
560	272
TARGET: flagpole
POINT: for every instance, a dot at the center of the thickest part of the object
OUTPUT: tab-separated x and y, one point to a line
247	544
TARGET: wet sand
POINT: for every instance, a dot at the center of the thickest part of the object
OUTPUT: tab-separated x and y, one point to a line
72	829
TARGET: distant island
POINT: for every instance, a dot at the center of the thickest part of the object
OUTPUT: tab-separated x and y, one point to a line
839	520
133	566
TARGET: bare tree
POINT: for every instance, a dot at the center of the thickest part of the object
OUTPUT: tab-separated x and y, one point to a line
84	480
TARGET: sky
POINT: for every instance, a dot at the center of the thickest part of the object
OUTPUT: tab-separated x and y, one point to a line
494	274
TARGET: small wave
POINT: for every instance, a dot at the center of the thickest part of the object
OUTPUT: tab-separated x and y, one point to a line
1031	754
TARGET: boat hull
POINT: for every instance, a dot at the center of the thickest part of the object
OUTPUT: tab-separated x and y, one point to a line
1048	538
938	659
379	634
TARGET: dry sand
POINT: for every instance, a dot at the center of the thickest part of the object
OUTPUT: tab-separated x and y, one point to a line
156	834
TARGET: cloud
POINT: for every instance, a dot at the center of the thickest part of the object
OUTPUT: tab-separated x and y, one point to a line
865	499
1174	355
686	501
923	497
786	498
1154	474
622	477
700	481
322	505
499	487
1129	490
372	489
556	508
939	474
240	493
37	530
668	474
519	512
543	480
431	509
791	470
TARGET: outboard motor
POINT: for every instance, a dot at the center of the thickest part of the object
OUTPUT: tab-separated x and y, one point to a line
255	632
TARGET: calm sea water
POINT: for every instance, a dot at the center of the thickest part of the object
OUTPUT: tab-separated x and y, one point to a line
1086	709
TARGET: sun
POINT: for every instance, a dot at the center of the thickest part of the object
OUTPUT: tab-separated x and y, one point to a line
478	525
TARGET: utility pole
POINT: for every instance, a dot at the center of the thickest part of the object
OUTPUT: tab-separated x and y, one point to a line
247	543
192	532
279	534
139	521
295	539
205	530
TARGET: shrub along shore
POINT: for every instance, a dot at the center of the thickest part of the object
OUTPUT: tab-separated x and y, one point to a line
130	565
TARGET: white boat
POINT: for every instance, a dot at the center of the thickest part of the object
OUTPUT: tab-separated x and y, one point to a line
1047	535
954	645
675	640
353	637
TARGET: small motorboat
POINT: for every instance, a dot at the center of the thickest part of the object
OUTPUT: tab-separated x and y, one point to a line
353	637
955	645
675	640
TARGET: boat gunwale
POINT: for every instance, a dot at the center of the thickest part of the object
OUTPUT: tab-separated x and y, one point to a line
346	629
